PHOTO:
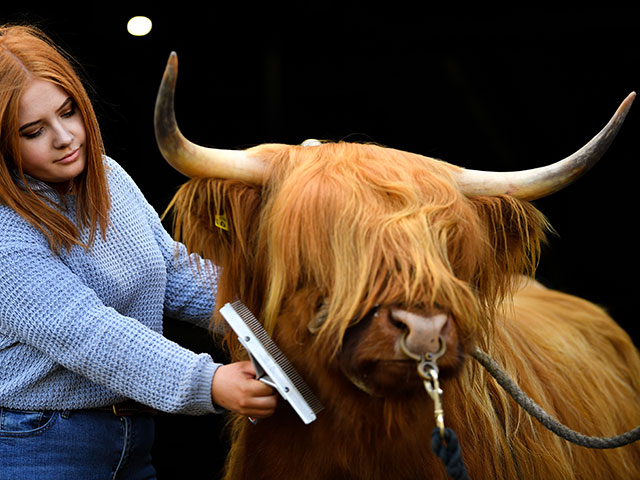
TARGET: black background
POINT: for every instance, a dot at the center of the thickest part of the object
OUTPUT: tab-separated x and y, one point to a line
495	90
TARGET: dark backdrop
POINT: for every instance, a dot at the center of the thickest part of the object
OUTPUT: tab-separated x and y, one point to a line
502	90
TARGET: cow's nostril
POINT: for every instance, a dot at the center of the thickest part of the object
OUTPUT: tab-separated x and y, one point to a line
400	325
401	319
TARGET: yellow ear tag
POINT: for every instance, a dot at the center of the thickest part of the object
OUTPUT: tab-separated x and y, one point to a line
221	222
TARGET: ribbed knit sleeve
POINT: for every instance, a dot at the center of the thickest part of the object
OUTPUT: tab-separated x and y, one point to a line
84	329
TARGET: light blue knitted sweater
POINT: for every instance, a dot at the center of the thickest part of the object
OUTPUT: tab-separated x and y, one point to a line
83	330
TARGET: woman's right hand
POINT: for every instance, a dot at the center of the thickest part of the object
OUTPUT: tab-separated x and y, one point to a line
235	388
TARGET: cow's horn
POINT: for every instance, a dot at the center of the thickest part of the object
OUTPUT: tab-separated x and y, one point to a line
188	158
543	181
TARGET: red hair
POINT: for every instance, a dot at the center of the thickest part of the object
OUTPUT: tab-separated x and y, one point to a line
26	53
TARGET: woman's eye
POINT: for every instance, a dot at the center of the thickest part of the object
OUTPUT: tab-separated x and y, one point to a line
69	113
32	134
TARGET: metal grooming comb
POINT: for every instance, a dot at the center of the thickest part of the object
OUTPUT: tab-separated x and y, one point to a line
271	366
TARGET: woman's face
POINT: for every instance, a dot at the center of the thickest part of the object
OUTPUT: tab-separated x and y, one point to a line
52	134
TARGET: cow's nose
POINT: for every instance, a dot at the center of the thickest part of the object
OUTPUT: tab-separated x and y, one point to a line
423	332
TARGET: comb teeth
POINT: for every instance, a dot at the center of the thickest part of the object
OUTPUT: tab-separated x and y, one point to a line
270	346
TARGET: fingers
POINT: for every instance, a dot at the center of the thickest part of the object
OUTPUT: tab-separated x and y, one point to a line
259	407
257	388
235	388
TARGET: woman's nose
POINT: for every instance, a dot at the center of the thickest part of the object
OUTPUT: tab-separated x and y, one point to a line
63	137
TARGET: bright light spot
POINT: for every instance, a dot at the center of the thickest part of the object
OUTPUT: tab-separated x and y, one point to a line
139	26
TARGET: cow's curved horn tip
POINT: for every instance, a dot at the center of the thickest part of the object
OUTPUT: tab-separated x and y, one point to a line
625	106
630	98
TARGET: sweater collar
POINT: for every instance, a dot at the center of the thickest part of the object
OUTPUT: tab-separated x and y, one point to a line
39	187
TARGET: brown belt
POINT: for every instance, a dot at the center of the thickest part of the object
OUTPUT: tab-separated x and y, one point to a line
128	407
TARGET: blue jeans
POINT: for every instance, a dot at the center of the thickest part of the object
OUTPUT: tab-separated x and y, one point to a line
76	445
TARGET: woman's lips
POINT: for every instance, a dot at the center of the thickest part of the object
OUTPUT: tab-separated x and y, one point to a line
69	158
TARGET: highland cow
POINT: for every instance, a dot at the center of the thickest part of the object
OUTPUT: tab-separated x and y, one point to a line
343	250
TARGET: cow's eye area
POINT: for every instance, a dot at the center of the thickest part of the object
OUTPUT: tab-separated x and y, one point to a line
322	310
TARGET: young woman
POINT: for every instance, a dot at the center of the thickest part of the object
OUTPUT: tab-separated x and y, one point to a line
88	272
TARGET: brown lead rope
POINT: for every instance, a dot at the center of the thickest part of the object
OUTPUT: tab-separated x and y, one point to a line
533	409
444	441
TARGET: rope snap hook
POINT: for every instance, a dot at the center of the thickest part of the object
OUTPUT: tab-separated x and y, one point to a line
444	441
428	371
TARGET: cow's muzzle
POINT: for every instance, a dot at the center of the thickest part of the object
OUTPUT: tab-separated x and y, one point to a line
423	333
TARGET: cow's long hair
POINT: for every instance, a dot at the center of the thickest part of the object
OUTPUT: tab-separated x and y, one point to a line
416	241
343	227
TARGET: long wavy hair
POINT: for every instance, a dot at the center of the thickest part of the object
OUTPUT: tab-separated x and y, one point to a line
27	53
360	224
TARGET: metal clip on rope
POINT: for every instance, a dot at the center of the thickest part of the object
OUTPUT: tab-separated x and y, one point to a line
428	371
445	445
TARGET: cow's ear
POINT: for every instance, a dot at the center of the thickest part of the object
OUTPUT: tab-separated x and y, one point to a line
516	231
217	219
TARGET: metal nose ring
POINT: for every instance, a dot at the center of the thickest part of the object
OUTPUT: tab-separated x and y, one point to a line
429	356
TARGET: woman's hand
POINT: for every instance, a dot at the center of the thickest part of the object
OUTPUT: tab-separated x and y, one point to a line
235	388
